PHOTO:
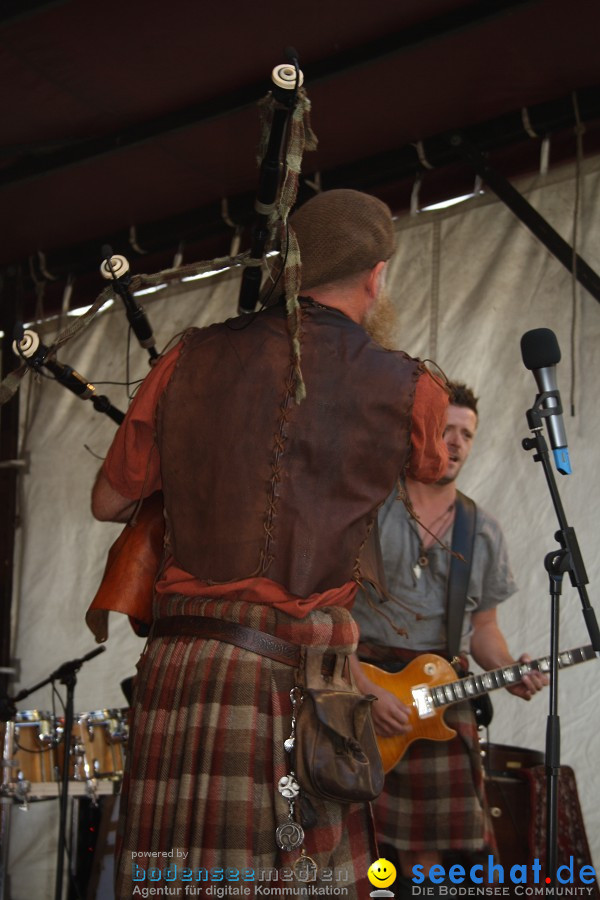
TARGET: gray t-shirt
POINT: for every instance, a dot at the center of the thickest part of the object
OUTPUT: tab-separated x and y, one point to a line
421	590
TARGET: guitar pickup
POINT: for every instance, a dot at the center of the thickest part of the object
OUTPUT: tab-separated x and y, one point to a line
423	701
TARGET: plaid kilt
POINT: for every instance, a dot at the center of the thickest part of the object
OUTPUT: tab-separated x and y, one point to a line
206	753
434	798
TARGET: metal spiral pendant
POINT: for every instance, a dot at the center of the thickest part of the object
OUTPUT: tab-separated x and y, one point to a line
289	836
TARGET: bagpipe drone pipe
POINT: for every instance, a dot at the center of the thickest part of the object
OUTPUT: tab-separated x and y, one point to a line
287	80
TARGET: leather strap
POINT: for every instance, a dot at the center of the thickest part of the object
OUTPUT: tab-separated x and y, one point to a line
210	628
463	542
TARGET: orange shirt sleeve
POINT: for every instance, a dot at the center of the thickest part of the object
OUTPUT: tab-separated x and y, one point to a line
132	465
429	454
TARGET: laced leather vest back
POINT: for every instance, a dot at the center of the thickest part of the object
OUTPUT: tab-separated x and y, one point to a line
257	485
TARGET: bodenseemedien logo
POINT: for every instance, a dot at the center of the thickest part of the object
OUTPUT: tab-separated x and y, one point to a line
381	874
182	881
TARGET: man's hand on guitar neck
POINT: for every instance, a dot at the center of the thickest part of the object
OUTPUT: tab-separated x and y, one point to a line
531	684
390	715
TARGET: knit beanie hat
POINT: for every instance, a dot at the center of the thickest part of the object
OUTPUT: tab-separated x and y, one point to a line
340	233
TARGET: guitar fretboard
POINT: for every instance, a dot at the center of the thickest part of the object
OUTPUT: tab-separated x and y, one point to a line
475	685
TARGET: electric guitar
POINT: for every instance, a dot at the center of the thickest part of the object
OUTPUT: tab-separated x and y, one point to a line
428	684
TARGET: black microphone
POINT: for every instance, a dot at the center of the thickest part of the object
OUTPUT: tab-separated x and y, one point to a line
541	353
29	347
116	269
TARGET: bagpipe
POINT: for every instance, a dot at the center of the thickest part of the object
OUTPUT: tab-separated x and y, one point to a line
35	355
29	347
134	559
283	109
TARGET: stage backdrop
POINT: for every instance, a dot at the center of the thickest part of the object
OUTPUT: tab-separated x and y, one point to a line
468	282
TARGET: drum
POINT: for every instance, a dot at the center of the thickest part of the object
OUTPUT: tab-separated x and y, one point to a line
98	745
32	757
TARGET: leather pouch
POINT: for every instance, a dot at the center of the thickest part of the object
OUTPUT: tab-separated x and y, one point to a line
336	753
131	568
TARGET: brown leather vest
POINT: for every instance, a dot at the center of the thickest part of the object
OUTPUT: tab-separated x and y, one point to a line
257	485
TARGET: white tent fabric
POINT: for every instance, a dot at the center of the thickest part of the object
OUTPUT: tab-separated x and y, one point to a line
468	282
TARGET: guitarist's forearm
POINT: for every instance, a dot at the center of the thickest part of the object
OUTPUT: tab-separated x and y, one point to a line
489	648
488	644
490	651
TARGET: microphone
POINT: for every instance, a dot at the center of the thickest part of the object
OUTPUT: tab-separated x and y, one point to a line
541	353
29	347
116	269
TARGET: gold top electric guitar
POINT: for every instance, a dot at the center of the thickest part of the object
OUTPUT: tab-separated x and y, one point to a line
429	684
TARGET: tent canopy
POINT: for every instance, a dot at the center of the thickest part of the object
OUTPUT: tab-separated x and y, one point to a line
130	123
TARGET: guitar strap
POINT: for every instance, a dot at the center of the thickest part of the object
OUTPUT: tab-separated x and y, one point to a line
463	542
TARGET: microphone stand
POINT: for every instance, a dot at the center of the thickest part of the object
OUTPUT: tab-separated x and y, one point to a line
557	562
66	674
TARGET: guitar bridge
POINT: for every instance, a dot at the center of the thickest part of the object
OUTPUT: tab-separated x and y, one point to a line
423	701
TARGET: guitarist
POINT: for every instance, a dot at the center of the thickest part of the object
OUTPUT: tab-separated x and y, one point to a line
433	801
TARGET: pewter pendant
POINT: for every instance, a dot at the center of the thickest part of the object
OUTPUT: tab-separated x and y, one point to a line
289	836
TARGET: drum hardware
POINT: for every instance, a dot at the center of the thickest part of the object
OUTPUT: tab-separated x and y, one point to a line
17	790
66	674
101	736
48	758
29	745
9	788
33	753
20	791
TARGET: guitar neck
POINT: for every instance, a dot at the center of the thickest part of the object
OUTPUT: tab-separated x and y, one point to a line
475	685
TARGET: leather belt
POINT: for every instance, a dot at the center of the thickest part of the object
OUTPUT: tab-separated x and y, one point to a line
210	628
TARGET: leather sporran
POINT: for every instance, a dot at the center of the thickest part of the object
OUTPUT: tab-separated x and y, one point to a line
336	753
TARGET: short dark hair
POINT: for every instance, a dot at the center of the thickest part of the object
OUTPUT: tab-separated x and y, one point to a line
461	395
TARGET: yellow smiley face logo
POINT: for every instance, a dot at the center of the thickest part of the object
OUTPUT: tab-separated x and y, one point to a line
382	873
